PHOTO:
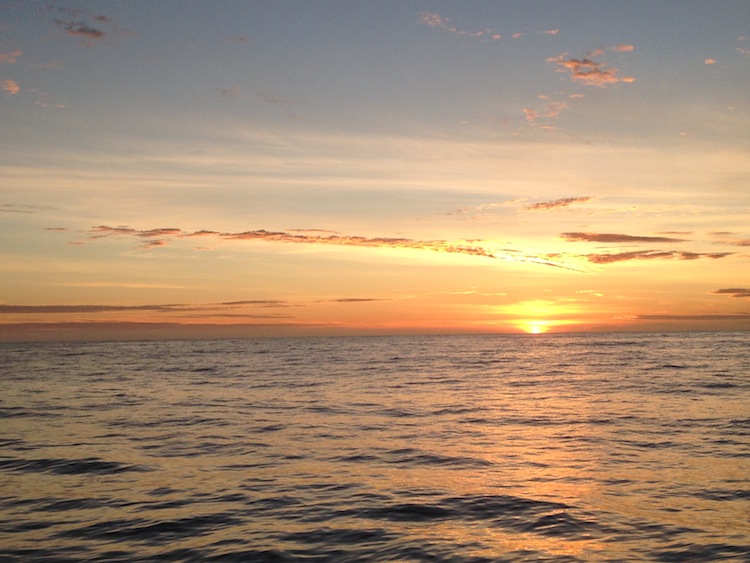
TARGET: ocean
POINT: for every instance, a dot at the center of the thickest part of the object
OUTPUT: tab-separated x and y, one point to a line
555	447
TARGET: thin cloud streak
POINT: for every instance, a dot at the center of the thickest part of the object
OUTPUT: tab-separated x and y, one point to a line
652	255
615	237
162	308
102	231
443	23
708	317
736	292
557	203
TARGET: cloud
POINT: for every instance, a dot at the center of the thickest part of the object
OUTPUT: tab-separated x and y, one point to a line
10	87
562	202
588	71
30	209
443	23
10	58
623	48
727	317
551	111
613	237
273	100
161	308
737	292
256	303
710	61
80	29
103	231
550	32
87	26
231	92
651	255
737	242
464	248
352	300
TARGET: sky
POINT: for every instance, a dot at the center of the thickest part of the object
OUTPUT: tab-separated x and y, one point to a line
222	169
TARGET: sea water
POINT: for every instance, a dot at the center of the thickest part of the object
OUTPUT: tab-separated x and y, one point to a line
583	447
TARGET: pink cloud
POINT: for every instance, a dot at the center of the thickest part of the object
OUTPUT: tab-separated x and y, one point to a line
551	110
588	71
443	23
710	61
10	58
623	48
10	87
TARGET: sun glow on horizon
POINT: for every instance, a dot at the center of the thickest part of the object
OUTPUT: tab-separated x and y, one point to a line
535	327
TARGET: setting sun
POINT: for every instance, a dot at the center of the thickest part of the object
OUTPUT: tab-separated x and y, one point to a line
536	327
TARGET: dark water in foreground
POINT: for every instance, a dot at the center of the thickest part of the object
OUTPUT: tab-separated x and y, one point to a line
483	448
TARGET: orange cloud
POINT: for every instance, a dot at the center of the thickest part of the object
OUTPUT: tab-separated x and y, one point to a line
10	86
623	48
562	202
710	61
614	237
728	317
551	111
161	308
737	292
440	22
464	248
10	58
651	255
589	72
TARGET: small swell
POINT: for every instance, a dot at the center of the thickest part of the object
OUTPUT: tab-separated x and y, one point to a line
94	466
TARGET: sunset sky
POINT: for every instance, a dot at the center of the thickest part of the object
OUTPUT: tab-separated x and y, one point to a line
242	168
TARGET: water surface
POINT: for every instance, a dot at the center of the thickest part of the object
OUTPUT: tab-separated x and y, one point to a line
609	447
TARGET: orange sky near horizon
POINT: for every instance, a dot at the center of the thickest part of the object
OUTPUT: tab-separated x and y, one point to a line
176	170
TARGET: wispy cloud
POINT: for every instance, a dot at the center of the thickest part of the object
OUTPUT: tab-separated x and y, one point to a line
86	26
710	61
734	242
10	86
557	203
589	72
18	208
160	308
443	23
352	300
709	317
615	237
737	292
81	29
10	58
158	237
267	98
623	48
609	258
551	110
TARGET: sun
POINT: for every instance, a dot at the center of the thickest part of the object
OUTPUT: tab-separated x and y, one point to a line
536	327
